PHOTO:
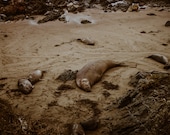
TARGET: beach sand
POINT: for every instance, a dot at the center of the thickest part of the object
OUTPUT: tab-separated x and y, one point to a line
119	36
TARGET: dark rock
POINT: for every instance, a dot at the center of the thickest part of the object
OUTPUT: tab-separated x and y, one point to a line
19	17
143	32
5	2
164	44
74	8
67	75
157	31
106	94
110	86
51	17
141	3
135	1
85	21
91	124
3	78
9	123
167	66
151	14
5	35
127	99
167	24
37	7
3	17
1	86
71	7
116	5
139	75
160	10
124	9
16	9
65	87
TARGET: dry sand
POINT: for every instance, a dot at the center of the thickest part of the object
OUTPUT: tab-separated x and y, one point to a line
26	46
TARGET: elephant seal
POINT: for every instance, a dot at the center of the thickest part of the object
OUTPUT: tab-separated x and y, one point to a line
25	86
35	76
93	72
159	58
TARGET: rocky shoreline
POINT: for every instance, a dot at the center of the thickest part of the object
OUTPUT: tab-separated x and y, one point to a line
54	9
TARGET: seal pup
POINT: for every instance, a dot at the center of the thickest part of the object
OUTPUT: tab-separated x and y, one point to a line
77	129
25	86
159	58
92	72
35	76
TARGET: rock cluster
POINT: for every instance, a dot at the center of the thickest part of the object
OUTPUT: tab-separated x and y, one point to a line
53	9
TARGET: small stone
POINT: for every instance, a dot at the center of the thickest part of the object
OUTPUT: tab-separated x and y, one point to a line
164	44
110	86
5	35
167	24
85	21
151	14
106	94
160	10
143	32
167	66
91	124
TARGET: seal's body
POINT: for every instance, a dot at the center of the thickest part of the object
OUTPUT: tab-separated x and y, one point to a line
159	58
93	72
25	86
35	76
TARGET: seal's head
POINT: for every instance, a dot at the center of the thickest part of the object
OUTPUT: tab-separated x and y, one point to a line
85	84
25	86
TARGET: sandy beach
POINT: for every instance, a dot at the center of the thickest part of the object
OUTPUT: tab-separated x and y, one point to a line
119	36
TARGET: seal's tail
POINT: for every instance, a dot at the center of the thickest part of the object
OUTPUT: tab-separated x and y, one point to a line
126	64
